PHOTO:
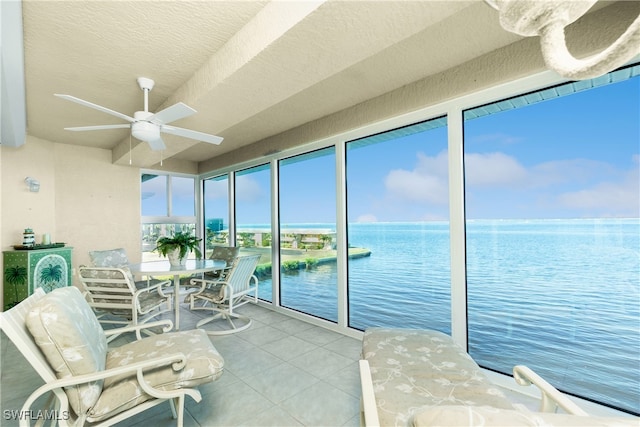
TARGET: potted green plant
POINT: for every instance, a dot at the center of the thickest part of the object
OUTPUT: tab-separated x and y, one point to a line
178	246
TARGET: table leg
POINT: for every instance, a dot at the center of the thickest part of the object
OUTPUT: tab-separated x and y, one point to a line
176	300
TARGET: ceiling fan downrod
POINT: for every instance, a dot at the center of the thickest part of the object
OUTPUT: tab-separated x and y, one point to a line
146	85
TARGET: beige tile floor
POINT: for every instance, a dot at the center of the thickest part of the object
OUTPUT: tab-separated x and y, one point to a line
279	372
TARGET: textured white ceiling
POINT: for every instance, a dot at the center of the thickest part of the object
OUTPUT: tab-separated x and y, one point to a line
252	69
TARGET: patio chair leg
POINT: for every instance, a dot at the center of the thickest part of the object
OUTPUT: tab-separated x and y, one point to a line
180	411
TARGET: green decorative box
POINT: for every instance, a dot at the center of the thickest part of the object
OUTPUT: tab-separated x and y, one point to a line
26	270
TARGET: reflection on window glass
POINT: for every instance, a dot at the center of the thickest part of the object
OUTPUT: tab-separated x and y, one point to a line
308	278
553	231
153	191
216	212
253	221
183	199
398	228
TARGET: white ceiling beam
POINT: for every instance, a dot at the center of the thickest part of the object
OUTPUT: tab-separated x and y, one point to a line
273	22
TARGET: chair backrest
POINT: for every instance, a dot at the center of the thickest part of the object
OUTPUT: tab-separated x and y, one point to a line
109	289
109	258
240	275
225	253
69	335
61	337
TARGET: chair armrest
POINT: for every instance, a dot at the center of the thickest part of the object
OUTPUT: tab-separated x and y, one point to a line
176	360
166	325
201	282
550	398
204	283
156	287
368	400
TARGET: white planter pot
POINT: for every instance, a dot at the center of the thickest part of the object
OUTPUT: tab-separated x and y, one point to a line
174	258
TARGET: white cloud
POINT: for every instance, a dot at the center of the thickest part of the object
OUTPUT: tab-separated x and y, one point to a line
367	218
248	189
493	169
610	198
575	171
586	187
426	183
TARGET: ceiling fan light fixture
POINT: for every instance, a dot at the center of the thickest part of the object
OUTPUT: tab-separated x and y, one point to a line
145	131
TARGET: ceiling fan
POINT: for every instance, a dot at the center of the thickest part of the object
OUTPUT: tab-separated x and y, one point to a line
147	126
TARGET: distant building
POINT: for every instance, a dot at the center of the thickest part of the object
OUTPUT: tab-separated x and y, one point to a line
215	224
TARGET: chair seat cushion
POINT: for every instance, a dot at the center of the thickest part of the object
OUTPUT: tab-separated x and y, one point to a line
204	364
215	293
416	369
150	300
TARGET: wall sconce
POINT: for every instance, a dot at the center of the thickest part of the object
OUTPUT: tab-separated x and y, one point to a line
33	184
548	20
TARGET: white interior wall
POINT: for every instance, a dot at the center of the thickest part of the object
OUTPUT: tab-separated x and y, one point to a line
84	200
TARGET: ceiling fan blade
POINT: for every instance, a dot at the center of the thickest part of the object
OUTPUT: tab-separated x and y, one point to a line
99	127
95	107
175	112
192	134
156	144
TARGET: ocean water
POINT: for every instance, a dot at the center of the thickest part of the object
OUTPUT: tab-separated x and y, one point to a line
560	296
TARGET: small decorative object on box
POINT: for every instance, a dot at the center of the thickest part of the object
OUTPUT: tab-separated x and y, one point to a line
46	239
28	237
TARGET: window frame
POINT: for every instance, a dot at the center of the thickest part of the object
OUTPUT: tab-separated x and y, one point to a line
453	109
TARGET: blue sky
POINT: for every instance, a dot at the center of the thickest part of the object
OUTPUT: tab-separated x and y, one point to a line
572	157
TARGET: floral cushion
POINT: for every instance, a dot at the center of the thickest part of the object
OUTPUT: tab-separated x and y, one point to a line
475	416
109	258
204	364
71	339
120	289
116	297
224	253
413	370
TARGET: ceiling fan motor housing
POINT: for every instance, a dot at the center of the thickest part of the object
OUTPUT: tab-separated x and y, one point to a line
143	130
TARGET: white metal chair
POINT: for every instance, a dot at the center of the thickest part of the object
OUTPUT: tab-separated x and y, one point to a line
87	382
116	300
118	258
220	253
227	294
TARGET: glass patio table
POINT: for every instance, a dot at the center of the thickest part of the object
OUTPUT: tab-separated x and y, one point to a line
163	268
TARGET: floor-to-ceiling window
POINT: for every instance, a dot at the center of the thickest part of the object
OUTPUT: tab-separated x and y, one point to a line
167	206
307	206
253	220
553	236
216	212
398	228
